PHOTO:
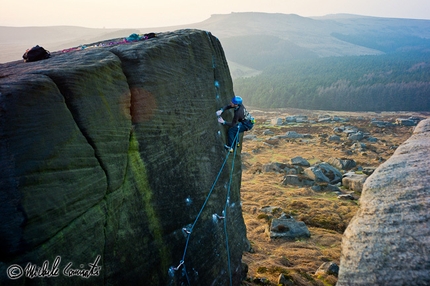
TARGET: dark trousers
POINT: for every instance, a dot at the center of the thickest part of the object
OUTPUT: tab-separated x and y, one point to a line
232	132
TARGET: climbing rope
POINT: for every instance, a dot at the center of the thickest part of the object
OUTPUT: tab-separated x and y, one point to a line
189	231
227	203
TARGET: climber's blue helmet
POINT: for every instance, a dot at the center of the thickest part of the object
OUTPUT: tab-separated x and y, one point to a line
236	100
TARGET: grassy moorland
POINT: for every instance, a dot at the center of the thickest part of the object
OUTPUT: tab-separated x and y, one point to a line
324	214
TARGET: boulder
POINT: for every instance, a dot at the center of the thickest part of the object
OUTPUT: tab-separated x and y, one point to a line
316	174
274	167
378	123
290	119
387	241
101	156
293	134
405	122
325	119
300	161
329	268
349	130
268	132
356	136
342	164
323	173
354	181
301	118
334	138
276	121
297	180
416	119
288	228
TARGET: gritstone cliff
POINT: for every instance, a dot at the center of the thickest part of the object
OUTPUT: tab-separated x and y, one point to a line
388	240
112	151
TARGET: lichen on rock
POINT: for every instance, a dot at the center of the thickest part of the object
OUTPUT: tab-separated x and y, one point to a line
111	151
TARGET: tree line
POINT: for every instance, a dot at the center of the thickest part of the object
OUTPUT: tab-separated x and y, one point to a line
391	82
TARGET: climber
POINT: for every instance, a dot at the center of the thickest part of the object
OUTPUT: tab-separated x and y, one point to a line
242	121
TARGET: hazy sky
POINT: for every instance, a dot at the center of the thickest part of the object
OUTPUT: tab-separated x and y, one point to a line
161	13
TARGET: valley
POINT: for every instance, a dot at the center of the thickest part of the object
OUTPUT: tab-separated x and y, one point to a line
325	215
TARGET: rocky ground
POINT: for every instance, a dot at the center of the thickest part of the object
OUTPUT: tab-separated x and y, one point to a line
274	261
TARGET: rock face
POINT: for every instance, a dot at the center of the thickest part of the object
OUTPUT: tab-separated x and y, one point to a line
113	151
388	240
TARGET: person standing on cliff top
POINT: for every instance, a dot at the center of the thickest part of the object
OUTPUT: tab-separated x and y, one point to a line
242	121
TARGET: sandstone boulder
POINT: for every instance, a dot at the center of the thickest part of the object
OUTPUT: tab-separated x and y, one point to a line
276	121
342	163
388	240
103	152
354	181
323	173
288	228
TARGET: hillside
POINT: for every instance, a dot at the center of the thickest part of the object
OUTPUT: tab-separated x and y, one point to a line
389	82
284	37
320	36
335	62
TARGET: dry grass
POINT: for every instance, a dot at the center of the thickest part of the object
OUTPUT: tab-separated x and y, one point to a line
325	215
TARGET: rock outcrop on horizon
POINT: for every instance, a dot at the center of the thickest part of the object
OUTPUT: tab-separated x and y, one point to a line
113	151
388	240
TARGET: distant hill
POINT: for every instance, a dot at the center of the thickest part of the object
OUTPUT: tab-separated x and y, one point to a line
273	36
250	39
282	53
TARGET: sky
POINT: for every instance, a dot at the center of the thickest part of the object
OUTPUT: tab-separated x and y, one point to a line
163	13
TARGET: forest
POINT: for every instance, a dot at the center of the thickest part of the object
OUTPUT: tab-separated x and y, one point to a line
397	81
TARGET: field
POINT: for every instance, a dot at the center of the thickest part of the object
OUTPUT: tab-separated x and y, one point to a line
325	215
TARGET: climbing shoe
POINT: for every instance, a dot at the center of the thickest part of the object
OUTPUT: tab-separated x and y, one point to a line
228	148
